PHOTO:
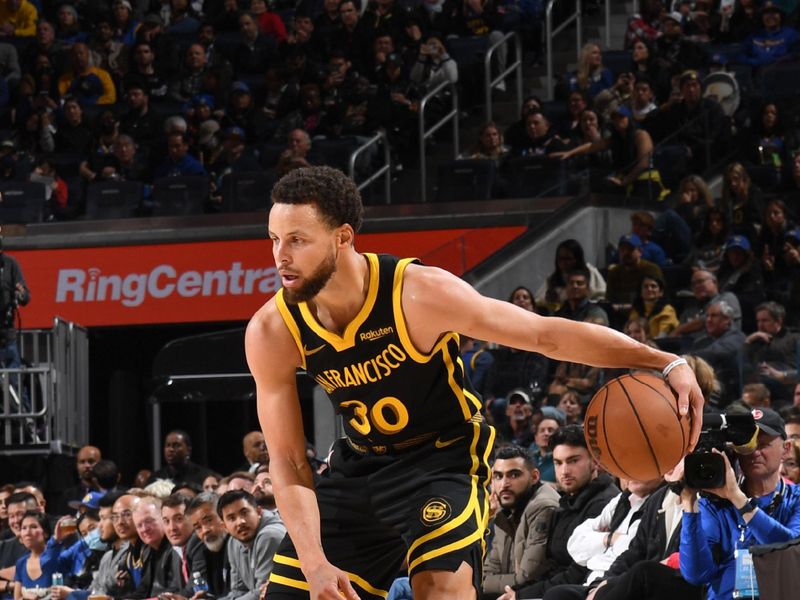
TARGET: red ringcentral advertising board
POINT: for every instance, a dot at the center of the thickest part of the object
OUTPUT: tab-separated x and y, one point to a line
203	281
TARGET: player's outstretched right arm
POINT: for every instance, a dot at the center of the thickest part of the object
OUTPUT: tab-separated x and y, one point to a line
273	359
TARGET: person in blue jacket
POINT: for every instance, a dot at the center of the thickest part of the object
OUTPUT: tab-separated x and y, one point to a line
773	43
762	510
34	570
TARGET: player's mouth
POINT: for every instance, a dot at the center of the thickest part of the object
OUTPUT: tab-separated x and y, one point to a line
289	279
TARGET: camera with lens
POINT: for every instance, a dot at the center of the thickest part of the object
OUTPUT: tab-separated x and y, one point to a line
704	469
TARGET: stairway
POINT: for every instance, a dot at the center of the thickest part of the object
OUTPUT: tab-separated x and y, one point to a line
406	186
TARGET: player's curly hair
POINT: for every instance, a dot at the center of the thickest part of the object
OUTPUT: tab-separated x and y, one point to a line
334	193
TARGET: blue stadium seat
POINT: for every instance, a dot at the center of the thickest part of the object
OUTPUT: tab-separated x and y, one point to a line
180	195
21	202
247	192
461	180
113	199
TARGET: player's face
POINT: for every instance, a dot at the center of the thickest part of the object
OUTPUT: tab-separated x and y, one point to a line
574	468
304	248
511	478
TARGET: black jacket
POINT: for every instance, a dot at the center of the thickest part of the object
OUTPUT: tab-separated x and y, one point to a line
572	511
213	566
161	572
650	541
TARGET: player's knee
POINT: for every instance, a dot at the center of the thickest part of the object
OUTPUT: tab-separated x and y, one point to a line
440	585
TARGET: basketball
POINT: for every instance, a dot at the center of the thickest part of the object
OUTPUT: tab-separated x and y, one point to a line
633	428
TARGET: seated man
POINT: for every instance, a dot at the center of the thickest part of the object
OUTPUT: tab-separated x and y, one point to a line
763	510
705	289
212	562
774	43
90	85
625	278
522	524
584	494
18	18
179	163
255	535
578	306
721	347
771	351
597	543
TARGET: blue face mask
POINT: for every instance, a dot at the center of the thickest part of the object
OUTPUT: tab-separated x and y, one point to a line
92	539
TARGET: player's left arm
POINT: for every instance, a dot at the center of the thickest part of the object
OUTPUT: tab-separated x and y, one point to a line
435	301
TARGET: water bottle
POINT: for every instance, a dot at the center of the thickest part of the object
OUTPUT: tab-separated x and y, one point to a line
199	583
57	579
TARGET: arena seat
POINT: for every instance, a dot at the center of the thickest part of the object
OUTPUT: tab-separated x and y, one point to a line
780	81
461	180
113	199
180	195
247	192
21	202
528	176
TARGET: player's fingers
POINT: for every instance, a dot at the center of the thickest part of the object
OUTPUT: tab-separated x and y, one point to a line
346	589
697	424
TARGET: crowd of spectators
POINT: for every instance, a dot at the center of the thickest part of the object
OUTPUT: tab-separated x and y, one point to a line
136	91
179	532
699	85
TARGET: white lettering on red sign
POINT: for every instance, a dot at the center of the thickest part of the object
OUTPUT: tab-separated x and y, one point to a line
163	281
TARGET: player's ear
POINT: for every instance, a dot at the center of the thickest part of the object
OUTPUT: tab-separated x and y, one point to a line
345	235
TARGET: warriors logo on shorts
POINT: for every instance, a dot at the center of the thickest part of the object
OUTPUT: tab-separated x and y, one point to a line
435	511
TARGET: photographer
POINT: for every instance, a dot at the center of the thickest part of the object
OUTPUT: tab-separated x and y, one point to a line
762	510
13	292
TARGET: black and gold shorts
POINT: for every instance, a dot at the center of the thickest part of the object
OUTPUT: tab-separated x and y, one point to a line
426	507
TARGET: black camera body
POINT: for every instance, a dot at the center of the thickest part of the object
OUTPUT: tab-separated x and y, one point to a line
705	469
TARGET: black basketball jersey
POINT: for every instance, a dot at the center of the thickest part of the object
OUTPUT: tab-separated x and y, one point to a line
388	391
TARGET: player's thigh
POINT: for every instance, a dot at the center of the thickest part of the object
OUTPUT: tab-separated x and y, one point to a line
442	585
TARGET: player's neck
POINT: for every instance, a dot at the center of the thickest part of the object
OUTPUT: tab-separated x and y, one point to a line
344	295
755	488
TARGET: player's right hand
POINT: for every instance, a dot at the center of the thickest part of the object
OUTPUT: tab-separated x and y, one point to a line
326	582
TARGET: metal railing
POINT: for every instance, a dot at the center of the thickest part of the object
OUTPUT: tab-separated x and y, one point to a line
550	33
44	405
385	171
515	66
424	134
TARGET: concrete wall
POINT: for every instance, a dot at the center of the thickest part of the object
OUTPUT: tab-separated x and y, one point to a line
593	227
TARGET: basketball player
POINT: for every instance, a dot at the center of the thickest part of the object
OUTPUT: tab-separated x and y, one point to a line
408	483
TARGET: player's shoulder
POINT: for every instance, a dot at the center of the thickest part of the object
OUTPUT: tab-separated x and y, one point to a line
267	323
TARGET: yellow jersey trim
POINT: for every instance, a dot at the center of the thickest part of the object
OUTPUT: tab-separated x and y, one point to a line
464	401
280	302
470	509
294	583
348	339
357	579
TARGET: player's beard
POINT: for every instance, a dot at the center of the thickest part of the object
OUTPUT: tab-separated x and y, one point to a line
313	283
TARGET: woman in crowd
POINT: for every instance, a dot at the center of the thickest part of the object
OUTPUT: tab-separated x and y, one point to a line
489	144
591	131
570	405
767	144
642	64
790	466
651	304
34	571
433	65
631	152
768	245
591	77
569	256
692	201
741	200
125	25
68	29
708	245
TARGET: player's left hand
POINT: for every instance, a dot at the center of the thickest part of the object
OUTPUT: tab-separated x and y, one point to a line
509	594
690	399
